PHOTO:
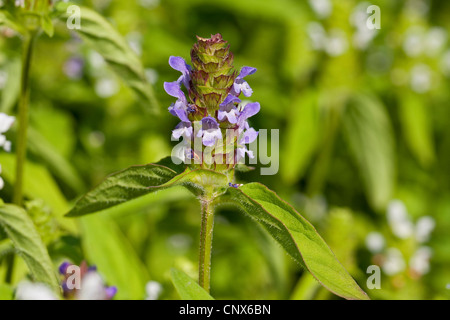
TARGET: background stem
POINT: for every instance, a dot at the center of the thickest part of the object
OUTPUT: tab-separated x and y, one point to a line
21	143
206	235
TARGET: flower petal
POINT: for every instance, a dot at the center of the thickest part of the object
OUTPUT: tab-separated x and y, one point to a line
246	71
230	99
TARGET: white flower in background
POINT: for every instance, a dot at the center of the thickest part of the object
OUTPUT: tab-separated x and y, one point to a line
5	123
435	41
322	8
375	242
317	34
413	44
424	226
421	78
336	44
106	87
363	36
394	262
399	220
20	3
149	4
420	261
96	60
448	286
2	183
92	287
153	290
34	291
134	40
151	75
3	79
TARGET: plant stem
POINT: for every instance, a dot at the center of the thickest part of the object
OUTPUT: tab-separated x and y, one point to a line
21	144
206	235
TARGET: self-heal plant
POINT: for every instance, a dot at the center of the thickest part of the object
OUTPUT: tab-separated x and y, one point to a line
212	105
215	131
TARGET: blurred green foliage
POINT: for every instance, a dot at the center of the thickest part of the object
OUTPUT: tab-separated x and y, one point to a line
363	119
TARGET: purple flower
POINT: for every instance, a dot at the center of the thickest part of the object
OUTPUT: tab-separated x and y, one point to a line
228	109
183	129
73	68
179	109
241	85
173	89
180	64
110	292
210	131
240	153
249	110
249	136
63	267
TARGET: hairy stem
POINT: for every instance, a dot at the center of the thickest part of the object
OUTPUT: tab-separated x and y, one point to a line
21	143
206	235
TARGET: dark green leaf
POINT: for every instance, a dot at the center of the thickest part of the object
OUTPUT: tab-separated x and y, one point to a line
137	181
296	235
28	244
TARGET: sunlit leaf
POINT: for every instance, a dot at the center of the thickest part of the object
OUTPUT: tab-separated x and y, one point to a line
187	288
296	235
137	181
302	135
369	133
28	244
417	128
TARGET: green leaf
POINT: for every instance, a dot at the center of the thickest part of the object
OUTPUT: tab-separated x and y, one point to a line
369	133
6	292
106	247
47	25
138	181
28	244
417	127
98	33
296	235
10	93
303	131
187	288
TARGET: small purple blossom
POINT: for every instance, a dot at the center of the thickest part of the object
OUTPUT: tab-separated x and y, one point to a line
249	136
183	129
63	267
179	109
180	64
228	110
110	292
173	89
235	185
240	85
73	68
210	131
249	110
240	153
